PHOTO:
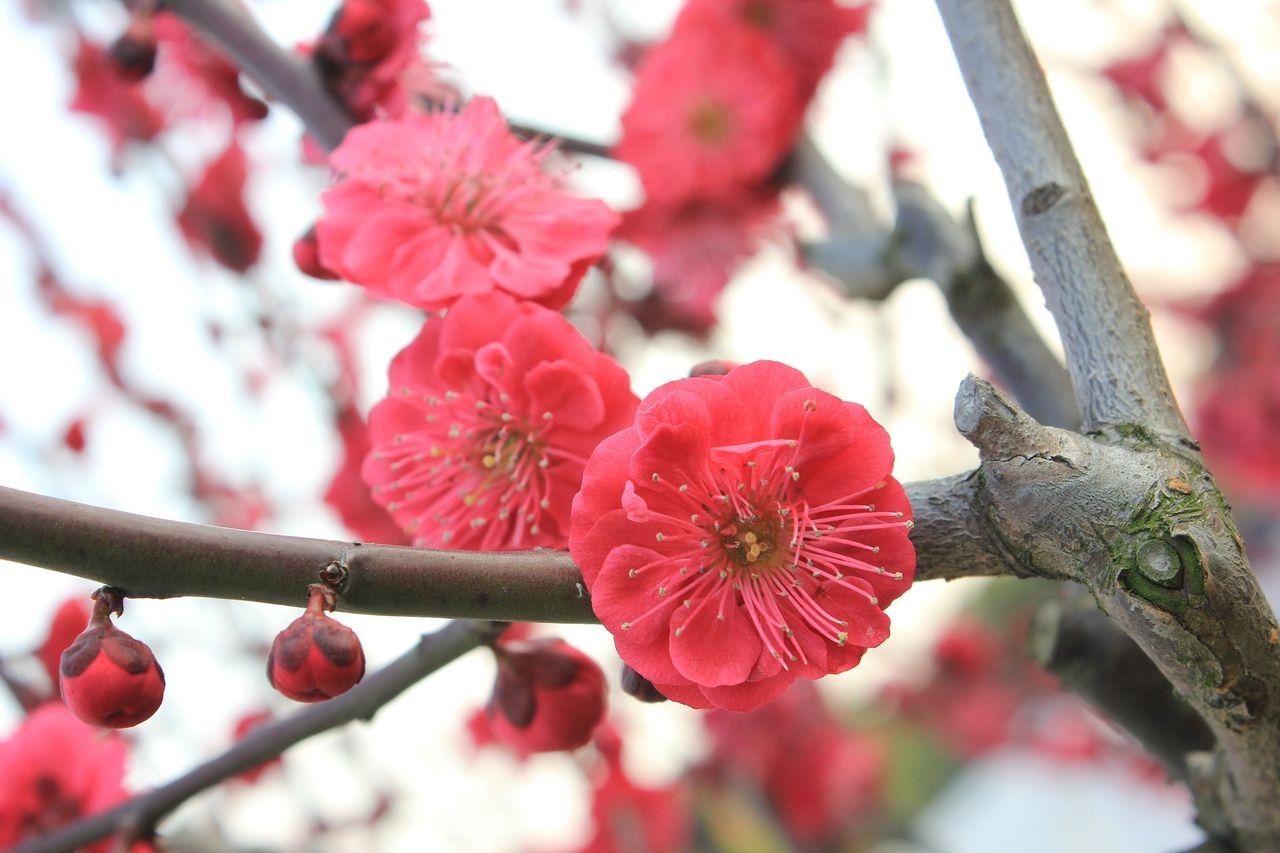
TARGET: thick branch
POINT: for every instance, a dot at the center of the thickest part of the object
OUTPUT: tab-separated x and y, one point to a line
154	558
1140	523
138	817
1106	332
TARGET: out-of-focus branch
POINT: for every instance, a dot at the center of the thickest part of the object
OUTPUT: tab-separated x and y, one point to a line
1102	664
137	817
870	260
1106	332
291	80
283	75
987	311
154	558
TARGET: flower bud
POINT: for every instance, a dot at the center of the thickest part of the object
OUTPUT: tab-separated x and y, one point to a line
548	696
134	53
315	657
108	678
306	254
636	685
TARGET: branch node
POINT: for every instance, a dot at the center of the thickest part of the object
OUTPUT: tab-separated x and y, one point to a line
995	425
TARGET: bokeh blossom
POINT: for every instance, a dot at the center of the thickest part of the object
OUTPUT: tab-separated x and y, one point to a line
491	415
821	778
55	769
434	206
713	111
696	247
809	32
744	533
215	218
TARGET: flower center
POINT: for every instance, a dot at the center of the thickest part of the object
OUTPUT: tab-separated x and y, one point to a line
751	542
711	122
475	474
759	13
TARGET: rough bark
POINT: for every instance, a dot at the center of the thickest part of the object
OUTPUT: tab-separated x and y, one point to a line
1139	522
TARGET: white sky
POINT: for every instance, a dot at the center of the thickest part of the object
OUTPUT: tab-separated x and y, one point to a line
113	237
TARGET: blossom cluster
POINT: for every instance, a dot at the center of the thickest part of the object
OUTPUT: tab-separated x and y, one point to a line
716	109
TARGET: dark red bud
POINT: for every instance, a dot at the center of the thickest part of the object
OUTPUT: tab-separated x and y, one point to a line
364	30
636	685
134	53
548	696
73	438
306	254
107	677
315	657
714	367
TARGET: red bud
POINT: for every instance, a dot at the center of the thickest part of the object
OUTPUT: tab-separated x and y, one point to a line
306	254
107	677
315	657
548	696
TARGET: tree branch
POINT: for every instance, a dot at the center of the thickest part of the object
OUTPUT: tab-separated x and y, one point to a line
154	558
292	80
870	260
1103	665
283	75
1111	352
1140	523
137	817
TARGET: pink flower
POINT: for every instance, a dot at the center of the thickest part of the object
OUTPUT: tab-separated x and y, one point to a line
696	248
743	534
215	218
548	697
348	494
54	770
369	50
492	413
820	778
714	110
432	207
809	32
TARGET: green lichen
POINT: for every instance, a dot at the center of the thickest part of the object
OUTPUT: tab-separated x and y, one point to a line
1171	590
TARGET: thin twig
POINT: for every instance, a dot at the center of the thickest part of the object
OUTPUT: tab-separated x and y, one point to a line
154	558
138	816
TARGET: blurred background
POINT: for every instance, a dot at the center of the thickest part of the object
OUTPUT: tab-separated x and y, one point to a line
152	363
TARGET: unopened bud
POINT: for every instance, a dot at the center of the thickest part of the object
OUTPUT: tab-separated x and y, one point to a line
108	678
636	685
315	657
